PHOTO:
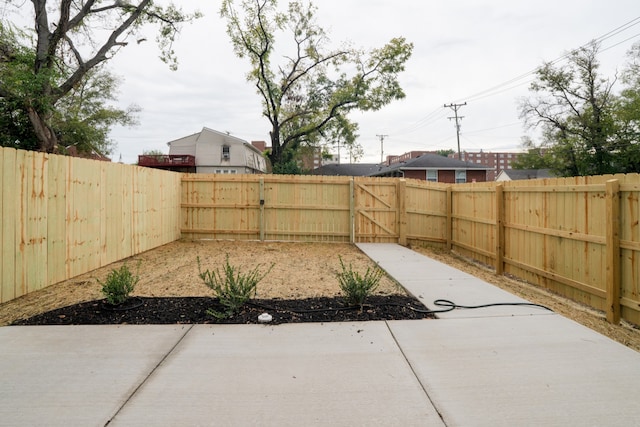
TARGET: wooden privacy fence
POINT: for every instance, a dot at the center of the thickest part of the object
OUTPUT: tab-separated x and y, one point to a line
578	237
63	216
309	208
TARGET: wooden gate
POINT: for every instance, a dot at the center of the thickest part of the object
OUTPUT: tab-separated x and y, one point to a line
376	210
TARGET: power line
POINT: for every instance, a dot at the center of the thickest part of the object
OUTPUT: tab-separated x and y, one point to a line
431	118
500	87
492	128
435	115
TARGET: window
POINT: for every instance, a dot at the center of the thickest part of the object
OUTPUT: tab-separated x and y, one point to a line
226	150
461	177
432	176
218	171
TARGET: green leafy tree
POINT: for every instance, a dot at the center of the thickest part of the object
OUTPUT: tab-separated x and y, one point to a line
83	119
15	68
153	153
534	158
580	118
71	39
628	114
445	153
308	95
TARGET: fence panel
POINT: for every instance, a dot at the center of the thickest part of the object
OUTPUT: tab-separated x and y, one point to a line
377	215
61	216
307	208
221	206
630	250
426	209
118	202
473	221
8	224
555	236
84	212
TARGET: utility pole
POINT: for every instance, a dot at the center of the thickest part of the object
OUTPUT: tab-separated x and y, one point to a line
382	137
455	108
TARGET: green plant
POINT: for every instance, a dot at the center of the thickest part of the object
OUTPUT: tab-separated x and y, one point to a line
356	287
231	287
119	284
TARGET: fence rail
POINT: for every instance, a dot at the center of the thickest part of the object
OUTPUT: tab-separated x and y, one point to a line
579	237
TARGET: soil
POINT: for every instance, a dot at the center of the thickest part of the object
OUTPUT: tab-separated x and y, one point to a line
301	286
173	310
303	278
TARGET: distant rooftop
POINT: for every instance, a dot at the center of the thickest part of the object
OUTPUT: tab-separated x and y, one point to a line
347	169
519	174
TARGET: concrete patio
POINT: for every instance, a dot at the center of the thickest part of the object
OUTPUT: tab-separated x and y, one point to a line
503	365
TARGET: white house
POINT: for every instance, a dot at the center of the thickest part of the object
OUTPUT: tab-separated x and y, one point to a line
217	152
519	174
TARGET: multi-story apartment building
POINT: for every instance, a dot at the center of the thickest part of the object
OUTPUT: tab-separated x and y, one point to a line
499	161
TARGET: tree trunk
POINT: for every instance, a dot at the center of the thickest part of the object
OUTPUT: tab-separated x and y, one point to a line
46	137
276	149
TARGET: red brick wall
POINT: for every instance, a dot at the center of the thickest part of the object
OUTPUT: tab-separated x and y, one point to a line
479	176
448	177
416	174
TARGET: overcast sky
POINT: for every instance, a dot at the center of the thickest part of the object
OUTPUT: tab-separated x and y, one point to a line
464	51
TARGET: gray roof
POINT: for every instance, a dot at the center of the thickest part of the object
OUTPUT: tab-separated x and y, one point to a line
426	161
518	174
348	169
432	161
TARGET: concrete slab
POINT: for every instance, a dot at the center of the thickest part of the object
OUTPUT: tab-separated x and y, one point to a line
296	374
487	369
407	265
429	280
76	375
537	370
470	292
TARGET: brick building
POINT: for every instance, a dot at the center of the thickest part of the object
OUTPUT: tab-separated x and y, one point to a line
498	161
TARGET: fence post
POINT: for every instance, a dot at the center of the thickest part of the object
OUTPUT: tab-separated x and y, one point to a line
352	215
261	191
499	229
402	212
613	250
449	224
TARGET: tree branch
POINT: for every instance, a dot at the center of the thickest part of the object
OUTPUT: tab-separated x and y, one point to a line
101	54
82	13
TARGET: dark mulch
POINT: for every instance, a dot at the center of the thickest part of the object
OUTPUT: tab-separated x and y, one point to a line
170	310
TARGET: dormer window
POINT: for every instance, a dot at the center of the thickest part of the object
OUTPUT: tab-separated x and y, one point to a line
226	152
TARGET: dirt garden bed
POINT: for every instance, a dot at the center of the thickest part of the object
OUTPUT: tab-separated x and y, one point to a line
302	284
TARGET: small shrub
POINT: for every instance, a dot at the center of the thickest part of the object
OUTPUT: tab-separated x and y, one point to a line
119	284
232	288
356	287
